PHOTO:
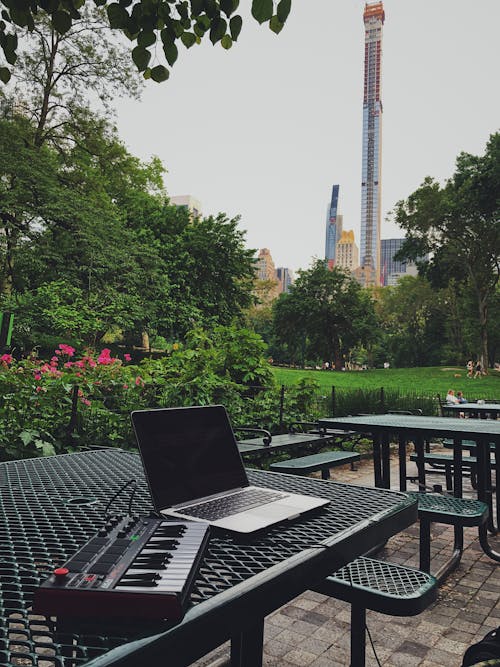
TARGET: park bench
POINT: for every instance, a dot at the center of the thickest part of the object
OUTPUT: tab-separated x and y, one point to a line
443	461
267	444
323	461
457	512
387	588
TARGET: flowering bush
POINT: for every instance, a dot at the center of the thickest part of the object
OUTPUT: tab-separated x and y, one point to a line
44	404
70	402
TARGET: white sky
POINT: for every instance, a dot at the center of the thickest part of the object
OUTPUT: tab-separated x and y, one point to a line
265	129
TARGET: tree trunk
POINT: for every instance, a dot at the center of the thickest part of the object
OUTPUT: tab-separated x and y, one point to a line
337	359
145	341
483	331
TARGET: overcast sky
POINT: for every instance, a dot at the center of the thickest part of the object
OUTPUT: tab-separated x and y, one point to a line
264	130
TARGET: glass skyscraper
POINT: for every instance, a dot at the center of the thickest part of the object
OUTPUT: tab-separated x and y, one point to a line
333	228
372	134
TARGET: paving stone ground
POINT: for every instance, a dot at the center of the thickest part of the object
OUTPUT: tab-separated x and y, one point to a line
313	630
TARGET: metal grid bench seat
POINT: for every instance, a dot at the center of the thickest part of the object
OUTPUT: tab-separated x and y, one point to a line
458	512
387	588
307	464
444	462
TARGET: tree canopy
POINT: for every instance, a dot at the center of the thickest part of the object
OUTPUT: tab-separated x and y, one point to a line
166	23
459	225
325	314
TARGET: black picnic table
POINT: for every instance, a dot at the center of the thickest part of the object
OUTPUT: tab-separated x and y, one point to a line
481	410
484	432
52	506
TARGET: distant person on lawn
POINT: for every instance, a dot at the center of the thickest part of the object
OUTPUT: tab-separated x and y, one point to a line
479	370
470	368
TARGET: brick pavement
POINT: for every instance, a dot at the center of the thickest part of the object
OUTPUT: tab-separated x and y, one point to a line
313	630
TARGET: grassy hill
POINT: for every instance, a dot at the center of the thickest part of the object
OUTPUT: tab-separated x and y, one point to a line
428	381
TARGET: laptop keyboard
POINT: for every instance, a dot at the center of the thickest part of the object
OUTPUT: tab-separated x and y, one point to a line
236	502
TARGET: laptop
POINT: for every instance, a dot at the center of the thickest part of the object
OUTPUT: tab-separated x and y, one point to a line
195	471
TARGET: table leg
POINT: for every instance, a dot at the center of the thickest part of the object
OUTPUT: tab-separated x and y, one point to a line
386	462
420	450
484	492
402	462
457	468
377	461
246	648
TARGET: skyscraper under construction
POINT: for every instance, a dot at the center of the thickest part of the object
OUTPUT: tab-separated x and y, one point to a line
372	146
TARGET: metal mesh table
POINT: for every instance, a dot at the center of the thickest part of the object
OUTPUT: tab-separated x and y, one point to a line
52	506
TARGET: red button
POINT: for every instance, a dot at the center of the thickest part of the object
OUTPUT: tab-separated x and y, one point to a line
61	571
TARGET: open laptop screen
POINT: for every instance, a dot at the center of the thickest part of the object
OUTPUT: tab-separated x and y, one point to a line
188	453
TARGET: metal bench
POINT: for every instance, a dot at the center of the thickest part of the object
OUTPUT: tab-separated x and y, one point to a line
457	512
383	587
322	461
445	461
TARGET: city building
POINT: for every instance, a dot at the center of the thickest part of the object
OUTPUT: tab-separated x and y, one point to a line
188	201
347	252
285	278
333	227
373	18
392	270
267	287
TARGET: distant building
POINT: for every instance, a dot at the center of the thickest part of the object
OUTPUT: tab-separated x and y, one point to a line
333	227
188	201
347	252
392	270
267	286
371	172
285	278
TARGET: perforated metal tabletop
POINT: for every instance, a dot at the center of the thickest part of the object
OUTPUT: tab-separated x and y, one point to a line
51	506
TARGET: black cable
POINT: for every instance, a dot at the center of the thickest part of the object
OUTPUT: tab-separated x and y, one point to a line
122	488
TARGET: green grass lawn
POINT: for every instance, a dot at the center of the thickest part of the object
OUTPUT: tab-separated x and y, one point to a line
429	381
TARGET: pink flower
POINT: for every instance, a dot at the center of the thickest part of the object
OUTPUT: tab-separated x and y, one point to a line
6	358
78	364
85	401
68	364
125	386
139	382
66	349
38	389
58	352
127	357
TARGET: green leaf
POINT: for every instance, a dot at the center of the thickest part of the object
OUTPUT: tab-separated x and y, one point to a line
211	8
218	29
4	75
171	52
141	58
283	10
262	10
188	39
235	27
226	42
147	73
61	21
117	15
276	25
21	17
146	39
196	7
159	73
227	7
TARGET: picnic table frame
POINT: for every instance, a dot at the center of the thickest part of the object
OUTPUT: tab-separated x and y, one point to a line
52	506
481	410
418	429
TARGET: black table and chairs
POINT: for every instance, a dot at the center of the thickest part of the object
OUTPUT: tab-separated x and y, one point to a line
480	410
417	429
52	506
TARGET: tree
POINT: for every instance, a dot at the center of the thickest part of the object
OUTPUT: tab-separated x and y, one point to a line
460	224
145	23
57	74
412	322
327	312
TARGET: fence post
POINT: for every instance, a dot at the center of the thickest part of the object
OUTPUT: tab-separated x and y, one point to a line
333	401
74	413
382	399
282	405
